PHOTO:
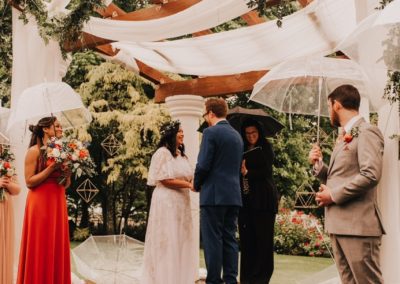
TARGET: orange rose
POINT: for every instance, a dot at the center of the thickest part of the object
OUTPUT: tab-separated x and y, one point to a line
83	154
49	162
7	165
72	145
348	138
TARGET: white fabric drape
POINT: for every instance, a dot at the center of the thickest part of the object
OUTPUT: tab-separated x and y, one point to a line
204	15
33	62
316	29
389	195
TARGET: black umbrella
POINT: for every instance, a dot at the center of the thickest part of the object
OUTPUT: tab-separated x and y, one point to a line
237	115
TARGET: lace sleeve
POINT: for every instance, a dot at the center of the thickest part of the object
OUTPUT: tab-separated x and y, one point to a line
160	167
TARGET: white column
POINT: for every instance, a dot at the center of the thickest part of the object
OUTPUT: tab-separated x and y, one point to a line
364	109
189	109
34	62
389	194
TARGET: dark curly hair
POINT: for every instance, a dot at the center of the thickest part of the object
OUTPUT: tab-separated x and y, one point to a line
37	130
261	136
168	137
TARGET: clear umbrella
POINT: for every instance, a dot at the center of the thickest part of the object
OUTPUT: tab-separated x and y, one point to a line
4	114
302	86
375	45
46	99
376	40
114	259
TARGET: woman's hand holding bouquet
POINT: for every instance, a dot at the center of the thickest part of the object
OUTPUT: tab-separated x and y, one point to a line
7	171
70	156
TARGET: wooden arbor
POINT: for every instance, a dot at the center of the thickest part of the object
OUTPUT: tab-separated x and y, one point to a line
204	86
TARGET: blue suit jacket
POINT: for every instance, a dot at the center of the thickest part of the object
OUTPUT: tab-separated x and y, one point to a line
217	174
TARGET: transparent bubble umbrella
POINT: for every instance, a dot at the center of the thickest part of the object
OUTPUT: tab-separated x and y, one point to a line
114	259
302	86
4	114
375	42
46	99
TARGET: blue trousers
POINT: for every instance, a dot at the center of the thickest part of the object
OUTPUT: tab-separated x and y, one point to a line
218	226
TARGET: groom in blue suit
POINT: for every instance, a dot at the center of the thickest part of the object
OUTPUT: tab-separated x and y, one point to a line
217	178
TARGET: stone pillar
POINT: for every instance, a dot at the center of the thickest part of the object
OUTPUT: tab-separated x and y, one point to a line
364	109
189	109
389	194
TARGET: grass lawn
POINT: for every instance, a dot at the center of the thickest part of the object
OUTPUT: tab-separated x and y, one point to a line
288	269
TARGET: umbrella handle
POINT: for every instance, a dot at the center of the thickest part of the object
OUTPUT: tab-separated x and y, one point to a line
320	80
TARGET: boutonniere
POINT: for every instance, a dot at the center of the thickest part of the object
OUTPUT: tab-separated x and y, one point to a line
354	132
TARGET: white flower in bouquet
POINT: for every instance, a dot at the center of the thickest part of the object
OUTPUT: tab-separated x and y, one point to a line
55	153
10	172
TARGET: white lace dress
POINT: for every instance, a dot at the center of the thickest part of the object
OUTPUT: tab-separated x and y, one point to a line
169	252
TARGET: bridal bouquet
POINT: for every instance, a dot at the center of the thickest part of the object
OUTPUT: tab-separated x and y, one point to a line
80	160
72	154
6	169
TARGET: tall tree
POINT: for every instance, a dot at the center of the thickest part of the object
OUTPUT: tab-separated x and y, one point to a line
120	107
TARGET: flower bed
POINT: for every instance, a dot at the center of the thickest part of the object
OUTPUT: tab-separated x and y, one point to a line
297	233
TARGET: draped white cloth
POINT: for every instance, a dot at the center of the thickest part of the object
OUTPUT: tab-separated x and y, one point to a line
204	15
316	29
34	62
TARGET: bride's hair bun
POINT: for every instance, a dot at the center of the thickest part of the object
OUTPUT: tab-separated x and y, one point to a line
33	129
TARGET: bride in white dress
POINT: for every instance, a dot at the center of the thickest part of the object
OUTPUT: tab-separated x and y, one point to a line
169	251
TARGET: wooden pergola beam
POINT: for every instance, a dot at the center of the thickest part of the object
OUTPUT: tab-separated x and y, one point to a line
155	12
86	41
152	74
252	18
145	70
210	86
111	11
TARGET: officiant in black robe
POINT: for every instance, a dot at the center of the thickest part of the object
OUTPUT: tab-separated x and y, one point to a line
260	205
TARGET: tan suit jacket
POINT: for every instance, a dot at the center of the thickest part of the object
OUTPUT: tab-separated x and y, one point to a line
352	175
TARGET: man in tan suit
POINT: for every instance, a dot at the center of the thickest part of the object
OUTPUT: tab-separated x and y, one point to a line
348	190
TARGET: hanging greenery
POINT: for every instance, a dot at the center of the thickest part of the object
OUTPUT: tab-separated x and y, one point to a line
62	27
383	3
391	57
5	54
276	11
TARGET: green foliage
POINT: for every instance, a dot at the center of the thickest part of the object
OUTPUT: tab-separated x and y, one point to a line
60	27
230	25
5	53
391	58
81	64
133	5
119	106
383	3
81	234
297	233
392	88
277	11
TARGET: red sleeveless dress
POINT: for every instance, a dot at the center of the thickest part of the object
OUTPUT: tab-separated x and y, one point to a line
45	248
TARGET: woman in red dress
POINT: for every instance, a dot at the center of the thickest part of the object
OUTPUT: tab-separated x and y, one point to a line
45	249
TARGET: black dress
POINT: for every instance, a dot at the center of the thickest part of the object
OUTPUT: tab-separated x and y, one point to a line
257	218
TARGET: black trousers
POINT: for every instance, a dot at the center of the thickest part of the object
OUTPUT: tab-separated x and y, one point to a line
256	229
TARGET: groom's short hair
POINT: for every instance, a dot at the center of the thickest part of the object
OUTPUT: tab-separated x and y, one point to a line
218	106
347	95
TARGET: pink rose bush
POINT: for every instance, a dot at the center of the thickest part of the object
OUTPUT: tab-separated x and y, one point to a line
298	233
